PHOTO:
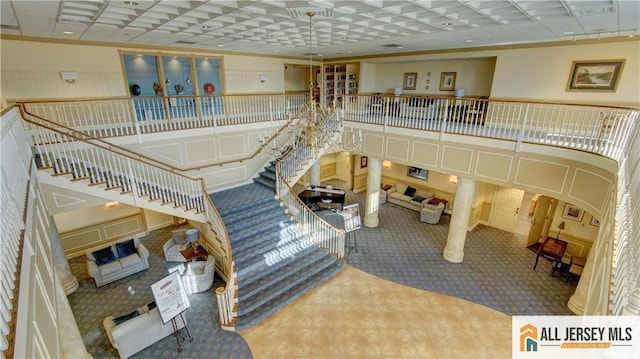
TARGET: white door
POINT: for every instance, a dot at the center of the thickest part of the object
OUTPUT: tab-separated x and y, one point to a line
344	168
545	208
505	208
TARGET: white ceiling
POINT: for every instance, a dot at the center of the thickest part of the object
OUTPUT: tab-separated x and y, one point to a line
340	28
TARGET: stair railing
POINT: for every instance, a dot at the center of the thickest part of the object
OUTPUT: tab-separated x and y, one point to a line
309	144
323	234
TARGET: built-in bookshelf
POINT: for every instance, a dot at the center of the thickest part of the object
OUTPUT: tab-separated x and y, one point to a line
339	80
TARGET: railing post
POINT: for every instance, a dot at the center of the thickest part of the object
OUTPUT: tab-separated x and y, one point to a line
134	187
522	128
444	125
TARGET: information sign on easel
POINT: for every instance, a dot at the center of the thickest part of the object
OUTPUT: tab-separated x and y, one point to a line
172	301
170	296
351	215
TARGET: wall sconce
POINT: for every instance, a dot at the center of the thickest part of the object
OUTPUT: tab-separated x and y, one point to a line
262	78
112	204
453	179
69	76
386	164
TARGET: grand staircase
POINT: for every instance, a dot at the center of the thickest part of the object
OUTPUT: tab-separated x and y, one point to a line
275	262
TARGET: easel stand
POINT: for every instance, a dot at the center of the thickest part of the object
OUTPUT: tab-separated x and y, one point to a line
348	242
178	332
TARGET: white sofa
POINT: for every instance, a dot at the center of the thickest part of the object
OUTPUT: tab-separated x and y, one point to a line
115	261
399	195
139	332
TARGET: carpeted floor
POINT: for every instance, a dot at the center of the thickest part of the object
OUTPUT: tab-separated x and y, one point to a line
496	272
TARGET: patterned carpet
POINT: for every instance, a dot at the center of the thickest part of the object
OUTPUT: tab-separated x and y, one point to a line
496	272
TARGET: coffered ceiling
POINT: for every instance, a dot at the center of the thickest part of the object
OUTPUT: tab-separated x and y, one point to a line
338	29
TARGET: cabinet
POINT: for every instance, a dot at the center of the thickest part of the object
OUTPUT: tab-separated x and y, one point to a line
339	80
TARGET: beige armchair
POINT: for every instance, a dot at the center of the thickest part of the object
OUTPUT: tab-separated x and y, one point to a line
198	277
431	213
175	245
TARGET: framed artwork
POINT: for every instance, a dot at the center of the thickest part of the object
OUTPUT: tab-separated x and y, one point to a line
447	81
409	81
417	173
599	75
572	212
594	221
363	161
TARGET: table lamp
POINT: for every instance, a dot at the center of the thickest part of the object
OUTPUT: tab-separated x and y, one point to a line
560	228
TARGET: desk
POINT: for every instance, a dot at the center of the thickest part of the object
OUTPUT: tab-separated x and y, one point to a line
552	249
192	254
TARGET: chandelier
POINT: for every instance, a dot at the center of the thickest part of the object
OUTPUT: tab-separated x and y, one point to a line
315	127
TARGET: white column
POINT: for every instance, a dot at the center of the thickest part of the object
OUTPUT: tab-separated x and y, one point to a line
315	173
374	171
454	250
578	300
67	279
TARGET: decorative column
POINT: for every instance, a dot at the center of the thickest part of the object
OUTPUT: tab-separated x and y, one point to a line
315	173
374	172
454	250
67	279
578	300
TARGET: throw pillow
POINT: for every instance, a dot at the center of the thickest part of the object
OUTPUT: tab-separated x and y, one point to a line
124	318
104	256
126	248
418	199
410	191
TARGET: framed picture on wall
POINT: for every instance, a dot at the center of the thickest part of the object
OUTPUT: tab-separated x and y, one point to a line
447	81
594	221
363	161
409	81
599	75
572	212
417	173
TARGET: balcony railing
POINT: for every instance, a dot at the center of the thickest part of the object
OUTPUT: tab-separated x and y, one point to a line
142	115
596	129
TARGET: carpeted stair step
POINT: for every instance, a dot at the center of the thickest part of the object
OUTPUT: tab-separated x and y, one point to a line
270	286
226	212
247	255
265	182
282	264
250	233
253	216
282	299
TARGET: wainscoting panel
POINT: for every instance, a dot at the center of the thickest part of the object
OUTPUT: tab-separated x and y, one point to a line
231	146
328	170
62	200
529	170
397	149
373	144
171	152
224	177
77	241
457	159
583	184
493	165
200	151
360	183
425	153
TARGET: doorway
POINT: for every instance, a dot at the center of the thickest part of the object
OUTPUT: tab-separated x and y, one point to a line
505	208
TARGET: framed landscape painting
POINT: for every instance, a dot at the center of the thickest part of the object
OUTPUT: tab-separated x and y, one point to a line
572	212
602	75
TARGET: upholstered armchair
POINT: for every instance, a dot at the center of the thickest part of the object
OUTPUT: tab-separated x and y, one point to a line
430	213
198	277
175	245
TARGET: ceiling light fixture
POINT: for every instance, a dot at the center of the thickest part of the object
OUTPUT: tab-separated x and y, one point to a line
68	32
